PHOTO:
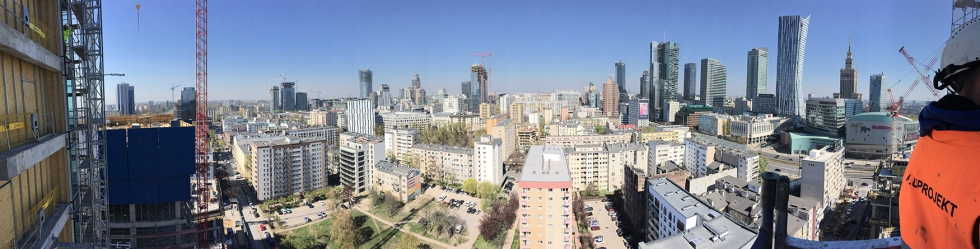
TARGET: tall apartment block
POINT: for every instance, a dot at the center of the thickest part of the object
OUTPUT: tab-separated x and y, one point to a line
275	105
546	219
399	141
757	73
488	159
288	96
360	116
287	165
358	156
789	65
621	80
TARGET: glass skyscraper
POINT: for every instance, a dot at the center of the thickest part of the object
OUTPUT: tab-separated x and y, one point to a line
621	80
789	65
667	54
690	80
876	100
714	81
366	83
757	73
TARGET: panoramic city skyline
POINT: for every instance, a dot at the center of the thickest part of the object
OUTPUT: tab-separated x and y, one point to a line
540	47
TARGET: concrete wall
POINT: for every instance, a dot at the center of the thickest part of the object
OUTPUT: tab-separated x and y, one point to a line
700	186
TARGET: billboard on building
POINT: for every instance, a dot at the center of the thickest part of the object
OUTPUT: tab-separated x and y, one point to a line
644	111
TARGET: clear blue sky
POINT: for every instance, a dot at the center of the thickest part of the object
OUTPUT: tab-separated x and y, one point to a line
541	45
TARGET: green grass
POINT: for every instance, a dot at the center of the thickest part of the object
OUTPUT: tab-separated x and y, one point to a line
405	213
483	244
417	229
380	235
517	240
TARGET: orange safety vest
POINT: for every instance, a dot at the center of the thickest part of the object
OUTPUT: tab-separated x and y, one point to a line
938	201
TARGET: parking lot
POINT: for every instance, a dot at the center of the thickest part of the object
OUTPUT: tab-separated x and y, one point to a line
299	214
607	227
472	220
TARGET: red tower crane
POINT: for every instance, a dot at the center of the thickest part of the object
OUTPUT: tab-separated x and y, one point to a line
201	123
896	106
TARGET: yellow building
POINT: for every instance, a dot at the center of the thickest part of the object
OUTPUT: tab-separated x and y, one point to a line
517	112
546	219
662	135
485	110
34	170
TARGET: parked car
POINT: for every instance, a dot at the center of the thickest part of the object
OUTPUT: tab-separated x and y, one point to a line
619	232
261	227
309	205
598	239
307	219
594	228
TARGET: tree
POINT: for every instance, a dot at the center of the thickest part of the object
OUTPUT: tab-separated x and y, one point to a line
600	129
649	129
470	186
486	190
347	195
763	163
391	204
407	160
377	199
408	241
342	230
726	128
390	156
379	130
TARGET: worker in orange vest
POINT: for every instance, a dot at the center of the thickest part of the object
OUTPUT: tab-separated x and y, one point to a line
938	203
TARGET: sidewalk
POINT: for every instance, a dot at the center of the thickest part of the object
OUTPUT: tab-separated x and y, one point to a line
423	238
510	233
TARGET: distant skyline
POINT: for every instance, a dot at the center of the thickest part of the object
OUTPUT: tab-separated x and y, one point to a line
540	46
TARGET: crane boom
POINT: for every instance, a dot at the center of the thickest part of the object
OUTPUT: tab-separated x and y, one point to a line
200	123
896	106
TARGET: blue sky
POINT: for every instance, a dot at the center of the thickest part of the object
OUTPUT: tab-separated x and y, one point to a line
540	45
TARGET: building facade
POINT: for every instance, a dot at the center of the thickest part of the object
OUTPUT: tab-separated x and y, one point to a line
822	177
690	81
621	81
546	219
488	159
366	82
402	182
848	77
413	120
789	65
283	166
288	96
764	103
451	165
610	98
358	156
399	141
877	101
125	100
714	82
826	116
360	116
757	73
878	135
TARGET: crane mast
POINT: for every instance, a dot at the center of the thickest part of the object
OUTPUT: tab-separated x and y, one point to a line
201	123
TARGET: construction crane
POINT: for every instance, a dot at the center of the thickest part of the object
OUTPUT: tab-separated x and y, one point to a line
486	59
281	75
201	123
896	106
172	99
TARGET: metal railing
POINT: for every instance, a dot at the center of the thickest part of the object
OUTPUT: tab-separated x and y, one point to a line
18	16
775	199
18	129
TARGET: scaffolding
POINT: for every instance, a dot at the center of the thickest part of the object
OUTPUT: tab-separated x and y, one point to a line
84	80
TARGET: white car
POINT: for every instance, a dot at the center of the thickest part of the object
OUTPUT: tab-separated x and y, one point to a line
598	239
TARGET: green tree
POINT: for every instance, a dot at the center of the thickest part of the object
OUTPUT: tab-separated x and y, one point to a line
342	230
600	129
379	130
390	156
470	186
488	190
408	241
407	160
763	163
649	129
727	128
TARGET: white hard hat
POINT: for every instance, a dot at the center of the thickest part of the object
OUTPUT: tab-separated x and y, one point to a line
961	54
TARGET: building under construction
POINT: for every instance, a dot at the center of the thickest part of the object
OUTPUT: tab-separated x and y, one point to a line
883	197
150	194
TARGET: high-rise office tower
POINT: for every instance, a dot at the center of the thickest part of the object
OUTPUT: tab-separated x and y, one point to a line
302	101
610	98
467	89
125	100
645	84
757	73
274	106
714	77
876	100
416	82
188	103
654	88
288	96
478	86
384	99
789	65
667	54
621	80
690	81
366	81
848	77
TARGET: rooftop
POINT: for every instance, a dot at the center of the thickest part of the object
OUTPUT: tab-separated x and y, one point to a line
443	148
546	164
392	168
714	229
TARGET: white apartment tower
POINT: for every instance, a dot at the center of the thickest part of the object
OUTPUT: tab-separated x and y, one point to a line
488	159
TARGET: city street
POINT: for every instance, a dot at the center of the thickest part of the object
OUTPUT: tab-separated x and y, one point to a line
246	200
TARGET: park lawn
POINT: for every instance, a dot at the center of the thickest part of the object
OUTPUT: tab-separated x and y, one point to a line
405	213
417	229
517	240
379	234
